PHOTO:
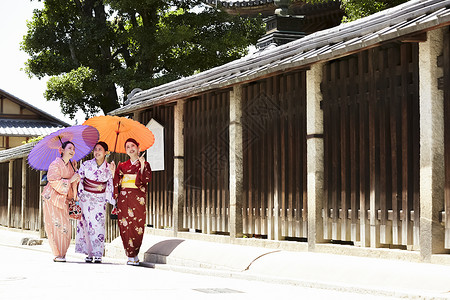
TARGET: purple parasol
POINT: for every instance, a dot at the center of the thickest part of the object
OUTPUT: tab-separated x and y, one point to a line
43	153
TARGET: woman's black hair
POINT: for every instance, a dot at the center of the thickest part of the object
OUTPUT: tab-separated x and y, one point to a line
131	140
64	145
103	144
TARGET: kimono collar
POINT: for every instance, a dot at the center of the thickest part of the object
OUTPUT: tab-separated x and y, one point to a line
62	160
101	166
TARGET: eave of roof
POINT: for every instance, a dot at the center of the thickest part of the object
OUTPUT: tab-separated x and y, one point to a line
27	128
268	7
238	2
406	19
241	2
16	152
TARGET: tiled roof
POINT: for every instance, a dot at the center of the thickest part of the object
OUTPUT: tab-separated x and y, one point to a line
409	18
16	152
28	128
255	3
229	3
251	7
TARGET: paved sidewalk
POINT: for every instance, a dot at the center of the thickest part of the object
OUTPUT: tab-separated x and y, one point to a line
317	270
336	272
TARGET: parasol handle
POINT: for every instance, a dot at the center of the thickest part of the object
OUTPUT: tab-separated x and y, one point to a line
117	136
72	166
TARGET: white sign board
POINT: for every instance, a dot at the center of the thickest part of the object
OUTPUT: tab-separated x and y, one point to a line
155	154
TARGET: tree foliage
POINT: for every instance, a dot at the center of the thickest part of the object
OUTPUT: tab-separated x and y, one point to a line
356	9
90	48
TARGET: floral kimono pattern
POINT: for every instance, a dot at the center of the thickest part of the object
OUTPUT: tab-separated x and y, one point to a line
130	190
55	198
90	238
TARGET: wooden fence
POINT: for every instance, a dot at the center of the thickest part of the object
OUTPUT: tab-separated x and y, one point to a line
274	134
371	146
4	193
371	156
32	207
206	207
28	213
160	189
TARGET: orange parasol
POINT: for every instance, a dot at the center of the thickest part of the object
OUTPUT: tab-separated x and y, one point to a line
114	131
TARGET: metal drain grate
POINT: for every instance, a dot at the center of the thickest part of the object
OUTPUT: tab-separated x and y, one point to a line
217	291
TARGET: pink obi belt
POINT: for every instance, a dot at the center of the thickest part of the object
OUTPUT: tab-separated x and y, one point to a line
93	186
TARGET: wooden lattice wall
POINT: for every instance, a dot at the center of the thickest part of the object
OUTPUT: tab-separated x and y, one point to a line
274	134
371	146
206	150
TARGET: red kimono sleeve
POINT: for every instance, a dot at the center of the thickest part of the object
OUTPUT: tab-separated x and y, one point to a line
144	177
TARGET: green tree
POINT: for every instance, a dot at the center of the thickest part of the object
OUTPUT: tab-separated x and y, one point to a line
89	48
356	9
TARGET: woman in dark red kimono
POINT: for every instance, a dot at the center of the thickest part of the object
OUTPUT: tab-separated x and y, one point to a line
130	190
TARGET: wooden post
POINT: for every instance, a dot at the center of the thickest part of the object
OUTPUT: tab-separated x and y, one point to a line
374	193
315	155
446	62
10	192
432	171
276	225
178	166
236	164
137	116
24	193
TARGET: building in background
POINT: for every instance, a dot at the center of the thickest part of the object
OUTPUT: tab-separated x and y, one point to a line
286	20
21	121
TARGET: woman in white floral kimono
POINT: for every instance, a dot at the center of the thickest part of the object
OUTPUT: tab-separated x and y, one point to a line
95	189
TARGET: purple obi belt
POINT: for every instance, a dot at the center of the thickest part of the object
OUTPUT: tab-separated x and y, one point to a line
93	186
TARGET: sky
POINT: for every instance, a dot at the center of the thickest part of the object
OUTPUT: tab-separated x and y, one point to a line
13	17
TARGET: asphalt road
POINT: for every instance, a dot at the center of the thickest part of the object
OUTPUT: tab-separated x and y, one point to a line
26	273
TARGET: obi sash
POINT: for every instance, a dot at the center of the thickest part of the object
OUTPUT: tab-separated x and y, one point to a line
129	181
93	186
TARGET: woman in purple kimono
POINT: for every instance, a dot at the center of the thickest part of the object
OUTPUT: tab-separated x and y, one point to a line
95	189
